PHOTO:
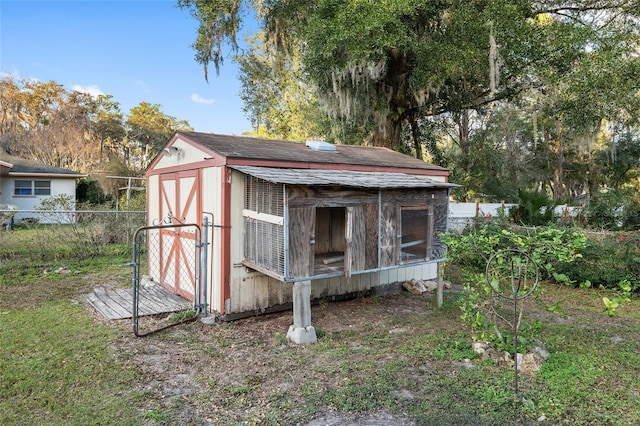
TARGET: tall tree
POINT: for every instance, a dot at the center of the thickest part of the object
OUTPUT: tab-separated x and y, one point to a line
385	64
148	129
278	101
44	122
108	126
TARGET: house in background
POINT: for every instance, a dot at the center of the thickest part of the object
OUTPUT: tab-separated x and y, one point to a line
295	222
24	184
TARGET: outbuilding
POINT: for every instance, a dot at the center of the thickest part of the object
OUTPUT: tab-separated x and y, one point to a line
295	222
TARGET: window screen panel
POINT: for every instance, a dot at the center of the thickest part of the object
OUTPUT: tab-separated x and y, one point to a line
42	187
23	187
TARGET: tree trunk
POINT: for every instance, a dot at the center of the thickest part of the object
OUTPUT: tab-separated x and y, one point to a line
395	84
463	133
558	171
415	134
388	136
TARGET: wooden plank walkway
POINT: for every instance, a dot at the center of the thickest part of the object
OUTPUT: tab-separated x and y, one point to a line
118	303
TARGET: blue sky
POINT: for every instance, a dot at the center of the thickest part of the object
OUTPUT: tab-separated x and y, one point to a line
133	50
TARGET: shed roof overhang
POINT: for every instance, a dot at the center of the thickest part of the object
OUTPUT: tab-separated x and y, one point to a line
348	178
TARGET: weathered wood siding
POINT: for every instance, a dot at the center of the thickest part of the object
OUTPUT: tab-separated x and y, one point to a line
355	251
437	199
329	196
310	211
301	236
389	227
371	235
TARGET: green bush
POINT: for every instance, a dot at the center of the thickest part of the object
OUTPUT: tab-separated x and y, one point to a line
606	261
547	246
614	210
89	191
535	208
482	310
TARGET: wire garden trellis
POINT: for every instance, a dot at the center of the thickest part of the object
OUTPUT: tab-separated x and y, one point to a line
512	274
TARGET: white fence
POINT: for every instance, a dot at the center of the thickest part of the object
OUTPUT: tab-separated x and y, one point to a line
462	215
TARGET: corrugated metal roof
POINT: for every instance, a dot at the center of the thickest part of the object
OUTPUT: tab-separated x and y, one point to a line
248	148
384	180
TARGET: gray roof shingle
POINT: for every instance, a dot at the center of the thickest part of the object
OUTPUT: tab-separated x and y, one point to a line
248	148
21	165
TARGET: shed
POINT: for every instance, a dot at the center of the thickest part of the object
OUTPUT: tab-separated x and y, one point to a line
295	222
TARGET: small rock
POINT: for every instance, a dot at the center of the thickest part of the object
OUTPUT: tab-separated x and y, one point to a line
410	286
542	352
530	363
209	320
430	285
542	418
480	347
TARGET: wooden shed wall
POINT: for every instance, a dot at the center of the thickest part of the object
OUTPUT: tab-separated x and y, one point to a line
260	292
212	182
252	291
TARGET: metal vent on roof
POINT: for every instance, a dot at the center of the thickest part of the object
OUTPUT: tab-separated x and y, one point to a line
321	146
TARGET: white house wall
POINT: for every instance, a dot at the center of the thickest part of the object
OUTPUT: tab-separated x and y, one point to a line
58	187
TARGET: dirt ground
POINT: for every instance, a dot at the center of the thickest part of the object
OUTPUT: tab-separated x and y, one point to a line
194	370
246	372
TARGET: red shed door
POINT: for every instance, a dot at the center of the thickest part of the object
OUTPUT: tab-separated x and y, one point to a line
180	199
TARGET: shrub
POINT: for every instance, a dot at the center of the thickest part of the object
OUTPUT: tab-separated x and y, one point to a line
614	210
606	261
482	310
535	208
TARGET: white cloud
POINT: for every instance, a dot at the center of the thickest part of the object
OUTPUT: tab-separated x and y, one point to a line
91	90
200	100
15	75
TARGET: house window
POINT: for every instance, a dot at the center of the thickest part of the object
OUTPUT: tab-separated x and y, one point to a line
32	187
417	234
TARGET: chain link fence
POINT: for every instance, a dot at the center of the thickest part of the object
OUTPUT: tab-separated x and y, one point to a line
46	234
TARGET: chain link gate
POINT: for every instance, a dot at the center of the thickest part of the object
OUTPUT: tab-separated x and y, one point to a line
175	255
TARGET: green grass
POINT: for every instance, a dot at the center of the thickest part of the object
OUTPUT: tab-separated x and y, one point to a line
58	365
57	368
62	365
